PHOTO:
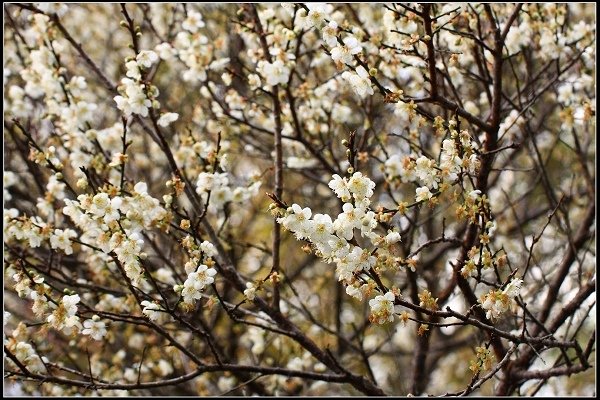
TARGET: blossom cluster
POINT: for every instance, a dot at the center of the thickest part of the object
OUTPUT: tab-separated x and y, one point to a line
457	157
115	224
496	302
136	97
334	239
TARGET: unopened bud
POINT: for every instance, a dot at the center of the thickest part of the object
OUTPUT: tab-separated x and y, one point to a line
185	224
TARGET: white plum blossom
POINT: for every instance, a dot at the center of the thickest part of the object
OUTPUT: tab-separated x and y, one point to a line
59	9
141	188
250	291
322	227
474	194
94	328
25	353
349	219
368	222
297	221
497	302
140	206
64	316
195	283
155	312
133	70
382	308
221	189
275	73
393	166
208	249
193	22
134	96
61	239
360	81
426	172
208	182
339	186
450	161
423	194
128	250
167	118
254	81
355	292
135	100
146	58
165	51
513	288
392	237
343	53
360	186
99	204
329	33
330	237
317	13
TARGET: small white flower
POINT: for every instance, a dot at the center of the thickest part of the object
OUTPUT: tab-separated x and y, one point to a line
146	58
360	81
70	304
139	104
141	188
423	194
360	186
95	329
208	249
340	187
61	239
317	13
355	292
275	73
254	81
154	312
297	221
196	282
382	308
392	237
250	291
165	51
167	118
322	228
513	288
343	53
346	221
133	70
193	22
329	33
474	194
227	77
426	172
